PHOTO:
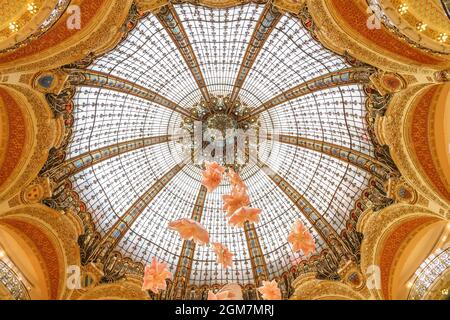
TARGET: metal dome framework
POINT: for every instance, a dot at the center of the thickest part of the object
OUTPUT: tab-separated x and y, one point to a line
121	162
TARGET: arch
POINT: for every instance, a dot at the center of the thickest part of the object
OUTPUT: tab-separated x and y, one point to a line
28	131
41	243
21	21
428	136
389	236
416	129
129	289
310	288
100	22
343	26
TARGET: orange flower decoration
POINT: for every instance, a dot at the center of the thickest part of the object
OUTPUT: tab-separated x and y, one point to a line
244	214
236	200
228	292
190	230
236	180
212	176
155	276
301	239
224	256
270	290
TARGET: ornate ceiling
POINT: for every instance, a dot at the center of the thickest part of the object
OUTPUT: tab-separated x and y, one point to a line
348	126
136	96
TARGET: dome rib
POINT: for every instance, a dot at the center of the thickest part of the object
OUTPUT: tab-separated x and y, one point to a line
98	79
184	266
355	158
86	160
266	24
115	234
319	223
168	17
334	79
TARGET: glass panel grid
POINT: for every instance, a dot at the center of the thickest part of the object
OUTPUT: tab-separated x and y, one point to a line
220	39
289	57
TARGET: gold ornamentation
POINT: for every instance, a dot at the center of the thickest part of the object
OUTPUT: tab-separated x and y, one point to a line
399	190
37	191
394	133
145	6
291	6
50	81
43	127
376	227
387	82
352	276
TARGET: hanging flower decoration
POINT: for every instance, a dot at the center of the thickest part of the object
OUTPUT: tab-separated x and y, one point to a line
212	176
224	256
301	239
190	230
270	290
228	292
236	180
236	200
244	214
155	276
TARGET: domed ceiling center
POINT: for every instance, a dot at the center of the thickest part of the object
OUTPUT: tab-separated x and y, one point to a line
222	125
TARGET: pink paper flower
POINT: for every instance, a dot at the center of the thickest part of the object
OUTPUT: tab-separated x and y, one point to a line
155	276
236	200
236	180
301	239
212	176
270	290
224	256
244	214
190	230
228	292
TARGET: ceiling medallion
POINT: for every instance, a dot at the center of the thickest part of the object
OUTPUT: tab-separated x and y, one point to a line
220	131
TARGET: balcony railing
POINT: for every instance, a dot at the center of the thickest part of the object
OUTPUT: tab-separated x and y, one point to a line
431	270
12	282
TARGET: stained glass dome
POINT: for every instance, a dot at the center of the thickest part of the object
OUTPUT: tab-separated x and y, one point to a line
130	173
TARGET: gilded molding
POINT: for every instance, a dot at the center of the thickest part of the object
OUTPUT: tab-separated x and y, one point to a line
333	35
100	35
291	6
43	127
57	227
121	290
310	288
377	226
395	132
153	6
